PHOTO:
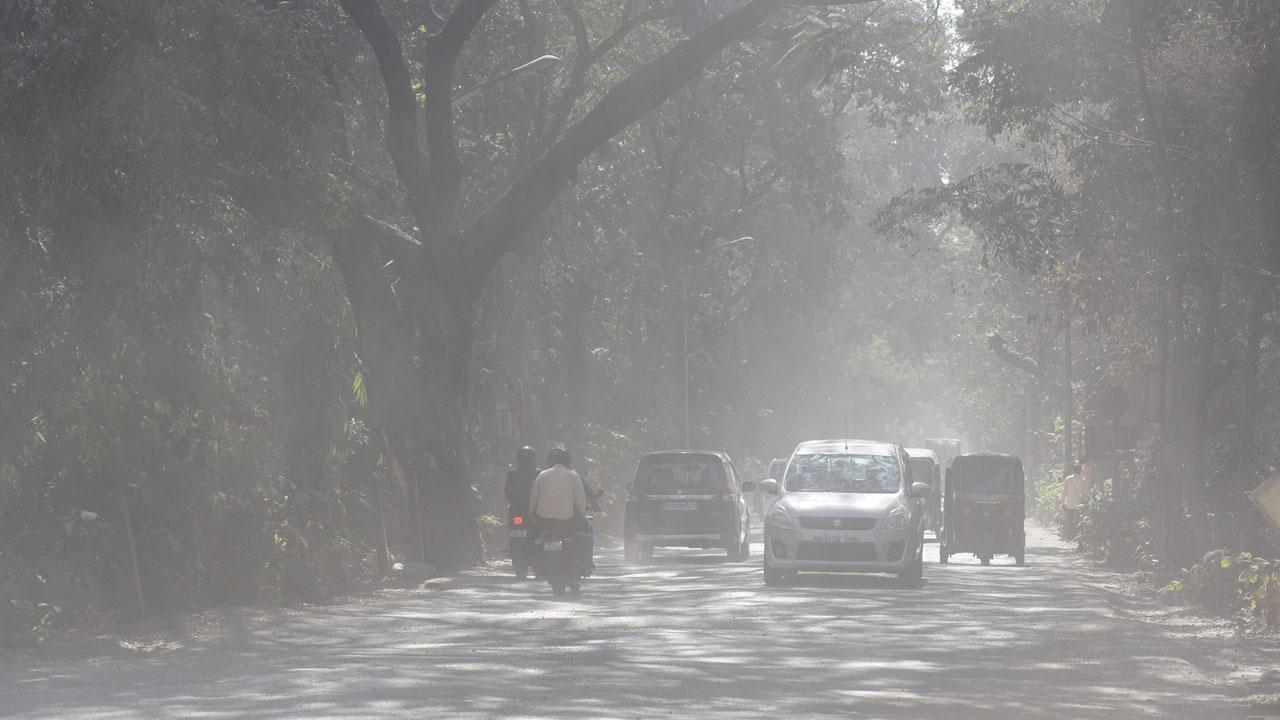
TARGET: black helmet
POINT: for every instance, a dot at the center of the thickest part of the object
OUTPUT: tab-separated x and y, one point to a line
526	457
559	456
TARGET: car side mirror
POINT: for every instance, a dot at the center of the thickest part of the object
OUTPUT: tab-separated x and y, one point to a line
769	487
919	489
748	486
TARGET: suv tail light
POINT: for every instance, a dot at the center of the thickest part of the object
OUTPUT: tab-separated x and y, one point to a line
517	520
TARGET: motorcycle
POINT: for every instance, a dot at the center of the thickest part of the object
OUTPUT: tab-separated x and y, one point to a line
562	545
520	545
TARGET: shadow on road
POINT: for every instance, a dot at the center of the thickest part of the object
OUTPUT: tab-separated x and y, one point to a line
690	635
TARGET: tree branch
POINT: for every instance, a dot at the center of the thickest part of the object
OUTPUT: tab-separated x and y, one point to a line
440	60
402	105
501	225
585	56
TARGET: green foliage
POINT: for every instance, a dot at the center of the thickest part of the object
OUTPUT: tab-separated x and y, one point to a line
1048	508
1115	527
1241	584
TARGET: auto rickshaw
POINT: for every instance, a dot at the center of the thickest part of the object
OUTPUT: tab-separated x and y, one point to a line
926	468
983	509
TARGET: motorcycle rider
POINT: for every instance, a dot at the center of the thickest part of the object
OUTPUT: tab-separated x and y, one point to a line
520	481
558	495
518	489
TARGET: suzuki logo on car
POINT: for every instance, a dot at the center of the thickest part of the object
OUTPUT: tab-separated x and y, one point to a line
836	523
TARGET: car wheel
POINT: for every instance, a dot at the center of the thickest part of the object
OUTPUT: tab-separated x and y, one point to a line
774	576
912	573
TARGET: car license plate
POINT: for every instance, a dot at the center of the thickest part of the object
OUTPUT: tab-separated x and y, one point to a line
519	533
680	505
836	539
553	545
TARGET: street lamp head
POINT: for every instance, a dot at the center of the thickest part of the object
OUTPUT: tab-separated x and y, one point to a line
538	64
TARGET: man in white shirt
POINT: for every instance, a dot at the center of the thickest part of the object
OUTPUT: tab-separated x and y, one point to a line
559	495
557	491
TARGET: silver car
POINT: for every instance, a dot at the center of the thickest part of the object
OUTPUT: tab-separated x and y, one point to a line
845	506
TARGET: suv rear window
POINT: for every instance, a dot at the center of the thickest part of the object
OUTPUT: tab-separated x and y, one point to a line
670	475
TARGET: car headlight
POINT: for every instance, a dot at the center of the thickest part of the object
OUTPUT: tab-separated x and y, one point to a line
897	519
780	518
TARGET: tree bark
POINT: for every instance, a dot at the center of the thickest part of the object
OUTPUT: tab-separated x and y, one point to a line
416	340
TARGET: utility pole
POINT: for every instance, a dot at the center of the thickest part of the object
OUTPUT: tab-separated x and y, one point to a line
1068	448
688	440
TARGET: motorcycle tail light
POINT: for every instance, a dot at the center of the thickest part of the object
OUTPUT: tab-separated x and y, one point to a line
517	520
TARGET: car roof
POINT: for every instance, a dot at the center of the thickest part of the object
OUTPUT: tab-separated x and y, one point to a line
843	446
720	454
915	453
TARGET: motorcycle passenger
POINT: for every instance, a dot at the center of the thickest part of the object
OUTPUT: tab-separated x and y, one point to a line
558	496
520	481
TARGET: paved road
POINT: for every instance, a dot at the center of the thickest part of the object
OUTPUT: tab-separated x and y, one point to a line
689	637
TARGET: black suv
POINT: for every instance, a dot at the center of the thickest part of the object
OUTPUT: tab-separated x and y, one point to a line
687	499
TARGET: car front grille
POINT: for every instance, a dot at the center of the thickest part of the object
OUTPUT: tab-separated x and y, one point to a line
837	552
837	523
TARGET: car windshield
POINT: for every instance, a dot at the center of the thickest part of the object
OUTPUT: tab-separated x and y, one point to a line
679	476
843	473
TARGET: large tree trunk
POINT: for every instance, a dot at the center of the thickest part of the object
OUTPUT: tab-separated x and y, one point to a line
415	341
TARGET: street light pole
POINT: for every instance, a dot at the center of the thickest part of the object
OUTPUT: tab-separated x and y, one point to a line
684	363
688	440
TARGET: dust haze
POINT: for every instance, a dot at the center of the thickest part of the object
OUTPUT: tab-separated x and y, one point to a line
634	358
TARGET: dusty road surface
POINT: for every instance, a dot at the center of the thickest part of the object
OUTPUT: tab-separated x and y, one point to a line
690	636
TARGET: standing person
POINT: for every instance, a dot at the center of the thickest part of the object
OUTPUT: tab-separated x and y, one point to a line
1073	497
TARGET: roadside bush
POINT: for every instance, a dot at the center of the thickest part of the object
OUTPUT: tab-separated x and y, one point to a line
1114	527
1239	584
1048	499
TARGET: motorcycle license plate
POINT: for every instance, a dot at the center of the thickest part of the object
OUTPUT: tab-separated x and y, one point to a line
519	533
680	505
837	539
553	545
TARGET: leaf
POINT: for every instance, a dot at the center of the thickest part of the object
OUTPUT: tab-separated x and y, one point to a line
358	390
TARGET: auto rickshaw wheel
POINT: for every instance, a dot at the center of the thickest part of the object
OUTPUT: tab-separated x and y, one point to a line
774	576
733	549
